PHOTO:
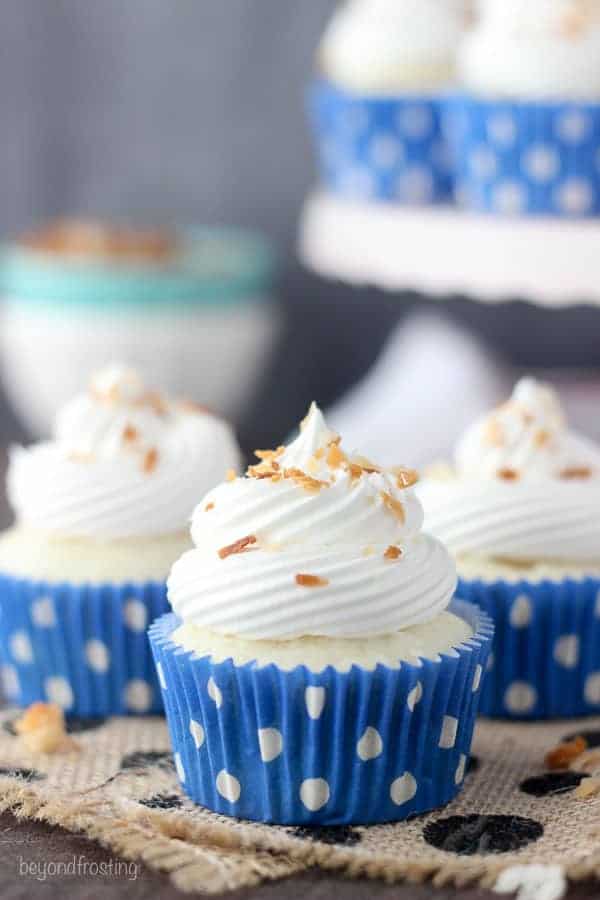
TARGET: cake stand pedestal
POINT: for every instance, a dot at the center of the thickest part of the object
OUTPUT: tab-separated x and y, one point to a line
442	251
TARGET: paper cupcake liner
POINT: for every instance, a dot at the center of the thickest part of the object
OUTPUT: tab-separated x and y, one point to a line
545	660
380	148
298	747
82	646
525	158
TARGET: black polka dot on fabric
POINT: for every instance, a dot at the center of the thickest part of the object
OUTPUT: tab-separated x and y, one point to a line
591	737
26	774
77	724
162	801
472	765
146	758
330	834
551	783
467	835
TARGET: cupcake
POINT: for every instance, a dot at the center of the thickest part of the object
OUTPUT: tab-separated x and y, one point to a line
519	509
375	108
316	668
525	130
101	512
193	306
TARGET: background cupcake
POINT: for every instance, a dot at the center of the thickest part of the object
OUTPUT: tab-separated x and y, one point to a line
383	64
192	306
101	513
313	672
527	128
520	511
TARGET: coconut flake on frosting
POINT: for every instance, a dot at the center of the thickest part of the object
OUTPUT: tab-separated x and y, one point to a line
311	510
124	461
524	487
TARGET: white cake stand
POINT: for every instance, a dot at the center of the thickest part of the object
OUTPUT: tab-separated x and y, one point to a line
443	251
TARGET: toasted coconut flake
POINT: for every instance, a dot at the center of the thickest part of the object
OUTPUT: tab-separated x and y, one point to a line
78	456
230	475
335	456
190	406
564	754
588	762
405	478
243	545
130	434
155	401
269	454
392	552
573	473
542	437
393	505
365	464
306	482
313	465
42	729
587	788
311	581
508	474
355	471
108	396
209	506
150	460
494	433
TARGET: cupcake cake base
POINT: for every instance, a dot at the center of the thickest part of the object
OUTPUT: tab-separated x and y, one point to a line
299	747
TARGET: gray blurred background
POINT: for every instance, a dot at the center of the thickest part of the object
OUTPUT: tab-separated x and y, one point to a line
189	111
176	110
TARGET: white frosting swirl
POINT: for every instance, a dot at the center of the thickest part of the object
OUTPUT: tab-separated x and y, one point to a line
524	487
311	511
389	45
124	462
534	49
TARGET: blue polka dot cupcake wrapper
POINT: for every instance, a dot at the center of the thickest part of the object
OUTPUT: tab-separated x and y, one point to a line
384	149
328	748
84	647
520	158
545	660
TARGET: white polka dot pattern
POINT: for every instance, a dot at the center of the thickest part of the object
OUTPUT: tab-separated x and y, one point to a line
414	696
43	613
520	612
59	691
228	786
20	647
214	692
591	689
197	732
460	769
512	163
270	741
135	615
370	745
520	698
138	695
314	697
314	793
97	656
566	651
392	151
448	733
403	789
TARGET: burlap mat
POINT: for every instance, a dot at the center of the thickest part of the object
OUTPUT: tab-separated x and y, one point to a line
121	789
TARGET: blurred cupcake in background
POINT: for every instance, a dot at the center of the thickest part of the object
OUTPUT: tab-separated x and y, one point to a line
526	130
376	113
317	669
520	510
102	512
190	306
